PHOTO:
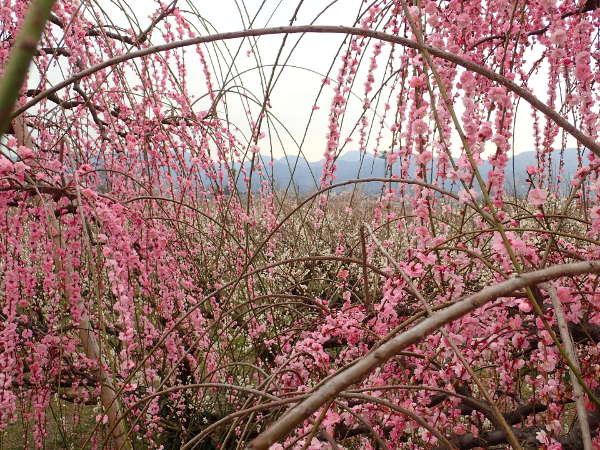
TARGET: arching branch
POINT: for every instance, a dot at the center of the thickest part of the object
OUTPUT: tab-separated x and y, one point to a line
469	65
361	369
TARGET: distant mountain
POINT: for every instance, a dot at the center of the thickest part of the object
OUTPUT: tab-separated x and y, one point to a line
304	176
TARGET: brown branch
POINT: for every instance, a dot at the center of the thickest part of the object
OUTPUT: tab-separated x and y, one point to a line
455	59
469	404
65	104
365	274
495	437
93	108
57	51
522	412
91	32
139	39
93	111
571	441
578	393
56	192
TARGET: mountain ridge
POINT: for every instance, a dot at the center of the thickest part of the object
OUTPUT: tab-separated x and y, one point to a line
304	176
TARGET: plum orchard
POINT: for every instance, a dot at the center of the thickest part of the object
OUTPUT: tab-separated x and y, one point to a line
158	288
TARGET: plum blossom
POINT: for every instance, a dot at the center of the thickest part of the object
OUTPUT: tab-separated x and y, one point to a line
148	212
6	166
532	170
467	196
498	94
25	152
20	167
537	197
558	36
420	127
595	216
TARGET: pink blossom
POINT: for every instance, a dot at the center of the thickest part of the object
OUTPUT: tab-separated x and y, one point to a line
524	305
467	196
558	36
498	94
20	167
193	266
25	152
548	4
425	157
537	197
532	170
6	166
420	127
542	437
485	132
343	274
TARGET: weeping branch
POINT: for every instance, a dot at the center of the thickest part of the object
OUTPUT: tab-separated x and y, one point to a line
525	94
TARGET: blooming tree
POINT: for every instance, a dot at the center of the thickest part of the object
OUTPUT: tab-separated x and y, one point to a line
160	290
